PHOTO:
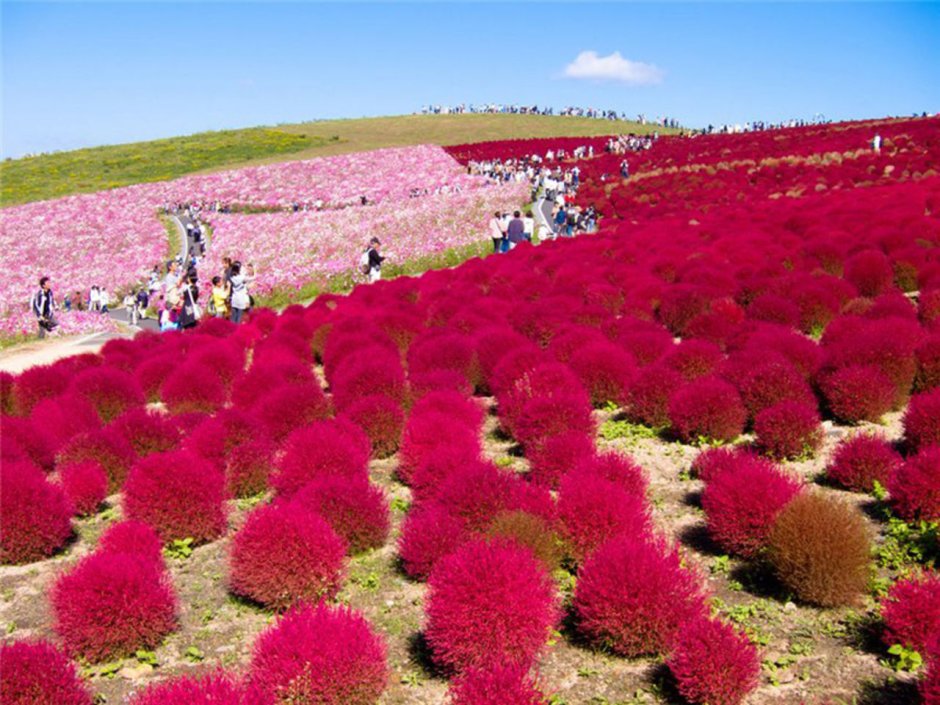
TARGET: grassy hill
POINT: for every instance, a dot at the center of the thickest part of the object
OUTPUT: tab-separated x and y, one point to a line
87	170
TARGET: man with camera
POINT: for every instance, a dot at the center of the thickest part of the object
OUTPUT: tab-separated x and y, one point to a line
43	306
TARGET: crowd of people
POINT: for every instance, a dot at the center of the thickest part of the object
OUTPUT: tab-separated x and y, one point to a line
568	111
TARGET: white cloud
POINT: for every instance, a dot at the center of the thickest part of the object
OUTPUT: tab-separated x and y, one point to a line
613	68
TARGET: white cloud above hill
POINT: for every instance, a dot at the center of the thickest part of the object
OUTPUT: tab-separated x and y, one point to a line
588	65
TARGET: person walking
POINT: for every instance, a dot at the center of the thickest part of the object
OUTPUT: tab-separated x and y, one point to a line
375	260
43	307
496	230
241	301
515	231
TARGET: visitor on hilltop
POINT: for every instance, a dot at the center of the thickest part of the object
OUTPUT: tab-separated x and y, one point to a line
876	143
374	260
515	231
43	307
241	301
496	230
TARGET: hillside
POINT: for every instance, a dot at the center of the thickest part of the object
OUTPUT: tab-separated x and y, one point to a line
88	170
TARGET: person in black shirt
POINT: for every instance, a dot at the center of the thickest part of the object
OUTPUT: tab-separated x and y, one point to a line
375	260
43	306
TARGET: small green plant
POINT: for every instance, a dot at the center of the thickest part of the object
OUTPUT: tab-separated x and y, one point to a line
504	461
399	505
147	657
11	627
631	432
720	565
587	672
370	581
246	503
905	660
179	549
412	679
194	654
909	544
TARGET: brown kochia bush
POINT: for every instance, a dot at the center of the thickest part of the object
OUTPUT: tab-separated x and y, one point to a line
821	550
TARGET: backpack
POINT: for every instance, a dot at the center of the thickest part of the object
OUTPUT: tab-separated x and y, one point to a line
364	262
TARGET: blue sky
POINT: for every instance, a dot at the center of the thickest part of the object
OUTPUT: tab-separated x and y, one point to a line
82	74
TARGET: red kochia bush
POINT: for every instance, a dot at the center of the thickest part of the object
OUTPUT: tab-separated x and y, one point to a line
633	595
707	408
741	505
429	533
714	663
922	420
928	365
489	604
606	370
134	538
712	461
37	673
870	271
288	407
911	611
179	494
285	553
789	429
192	387
106	446
858	393
862	460
648	400
592	510
356	509
248	467
213	688
148	432
323	654
153	372
544	417
382	420
498	684
428	434
7	402
35	515
616	468
110	391
35	384
434	470
112	604
64	417
694	358
771	383
557	456
85	484
334	448
915	486
930	684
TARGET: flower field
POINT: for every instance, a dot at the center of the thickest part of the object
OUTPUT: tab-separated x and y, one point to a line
691	458
113	238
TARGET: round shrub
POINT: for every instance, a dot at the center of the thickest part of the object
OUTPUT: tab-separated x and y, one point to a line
7	401
248	467
191	387
179	494
821	550
134	538
529	531
85	485
922	420
106	446
557	455
429	434
356	510
285	554
368	372
648	399
709	463
544	417
498	684
37	673
771	383
213	688
444	351
616	468
930	684
707	408
463	410
592	510
911	611
915	486
35	384
536	381
633	595
35	515
112	604
858	393
382	420
153	372
324	449
110	391
477	493
789	429
489	604
694	358
928	365
147	432
870	272
217	437
291	406
323	654
430	474
714	663
64	417
861	461
420	385
741	504
429	533
606	371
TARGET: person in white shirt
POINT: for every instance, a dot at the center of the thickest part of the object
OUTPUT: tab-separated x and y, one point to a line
528	226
